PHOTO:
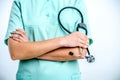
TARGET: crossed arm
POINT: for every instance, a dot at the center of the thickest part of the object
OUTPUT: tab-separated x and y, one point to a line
56	49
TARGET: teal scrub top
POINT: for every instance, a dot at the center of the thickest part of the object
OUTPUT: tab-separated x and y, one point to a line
39	19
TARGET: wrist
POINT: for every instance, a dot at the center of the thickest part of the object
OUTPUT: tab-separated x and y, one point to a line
63	42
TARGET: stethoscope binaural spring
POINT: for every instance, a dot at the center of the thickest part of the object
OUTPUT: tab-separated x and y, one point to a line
90	58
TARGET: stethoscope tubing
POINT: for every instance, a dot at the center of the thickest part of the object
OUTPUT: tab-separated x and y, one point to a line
69	7
90	58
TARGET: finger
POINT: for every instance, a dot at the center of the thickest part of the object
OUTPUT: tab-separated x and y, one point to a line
19	35
16	36
18	32
82	45
84	37
16	39
21	38
83	42
84	53
22	31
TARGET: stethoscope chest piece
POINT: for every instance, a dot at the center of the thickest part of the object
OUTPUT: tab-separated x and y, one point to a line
90	58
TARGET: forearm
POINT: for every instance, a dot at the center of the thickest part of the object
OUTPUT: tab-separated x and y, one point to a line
23	49
28	50
62	54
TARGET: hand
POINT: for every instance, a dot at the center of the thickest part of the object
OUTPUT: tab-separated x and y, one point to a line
62	54
19	35
76	39
83	52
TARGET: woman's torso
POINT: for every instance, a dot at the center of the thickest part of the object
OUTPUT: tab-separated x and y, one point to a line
39	19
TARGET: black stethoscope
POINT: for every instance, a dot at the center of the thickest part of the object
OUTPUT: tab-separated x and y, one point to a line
90	58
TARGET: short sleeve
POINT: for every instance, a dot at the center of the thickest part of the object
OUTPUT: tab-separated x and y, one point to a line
81	6
15	20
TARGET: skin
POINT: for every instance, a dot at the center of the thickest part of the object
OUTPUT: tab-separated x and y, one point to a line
56	49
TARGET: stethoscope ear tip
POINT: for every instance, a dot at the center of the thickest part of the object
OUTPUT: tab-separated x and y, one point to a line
90	58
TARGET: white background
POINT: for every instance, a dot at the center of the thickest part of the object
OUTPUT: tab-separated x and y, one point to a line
104	18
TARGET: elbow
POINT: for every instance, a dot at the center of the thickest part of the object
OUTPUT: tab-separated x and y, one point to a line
17	55
14	55
15	50
14	58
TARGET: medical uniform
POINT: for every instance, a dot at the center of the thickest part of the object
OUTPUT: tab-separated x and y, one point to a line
39	19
